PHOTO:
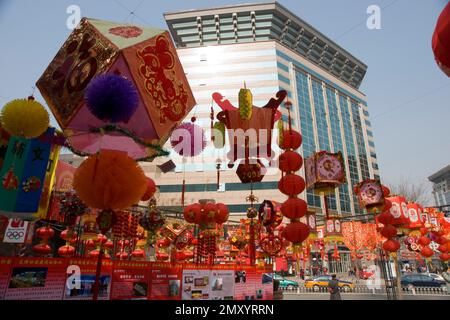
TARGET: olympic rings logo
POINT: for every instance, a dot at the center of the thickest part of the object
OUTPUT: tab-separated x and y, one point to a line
15	235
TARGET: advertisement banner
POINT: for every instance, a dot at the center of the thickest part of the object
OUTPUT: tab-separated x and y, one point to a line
36	279
165	281
196	284
222	283
5	273
16	231
265	275
130	280
32	182
12	171
88	269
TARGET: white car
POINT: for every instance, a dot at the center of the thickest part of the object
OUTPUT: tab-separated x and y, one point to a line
435	276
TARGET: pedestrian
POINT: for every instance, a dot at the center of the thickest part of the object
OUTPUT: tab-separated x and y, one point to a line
333	288
302	274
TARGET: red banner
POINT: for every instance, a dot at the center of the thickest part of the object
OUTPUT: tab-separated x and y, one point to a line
165	281
130	280
5	272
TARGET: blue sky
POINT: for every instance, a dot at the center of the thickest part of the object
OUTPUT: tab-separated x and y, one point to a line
408	96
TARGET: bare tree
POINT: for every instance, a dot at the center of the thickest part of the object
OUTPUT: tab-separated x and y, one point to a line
418	191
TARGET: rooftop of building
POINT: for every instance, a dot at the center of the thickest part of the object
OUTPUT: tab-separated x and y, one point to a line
440	174
244	23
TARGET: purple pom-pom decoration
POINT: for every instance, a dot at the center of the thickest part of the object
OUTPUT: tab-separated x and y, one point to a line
188	140
112	98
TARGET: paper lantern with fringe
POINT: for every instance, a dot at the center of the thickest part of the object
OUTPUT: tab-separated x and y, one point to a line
391	245
110	180
296	232
150	191
25	118
294	208
291	185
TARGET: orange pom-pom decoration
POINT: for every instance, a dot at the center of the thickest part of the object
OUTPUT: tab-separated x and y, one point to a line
290	161
151	189
294	208
110	180
291	185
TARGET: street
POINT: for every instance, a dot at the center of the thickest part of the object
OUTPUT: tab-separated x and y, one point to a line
357	296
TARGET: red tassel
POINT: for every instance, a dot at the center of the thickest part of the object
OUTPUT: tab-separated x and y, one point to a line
212	124
183	190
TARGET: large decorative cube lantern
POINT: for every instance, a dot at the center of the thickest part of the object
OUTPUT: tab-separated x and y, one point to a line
325	171
371	196
144	56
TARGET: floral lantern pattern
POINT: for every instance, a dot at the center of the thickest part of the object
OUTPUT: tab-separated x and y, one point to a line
371	195
399	211
146	57
324	172
414	212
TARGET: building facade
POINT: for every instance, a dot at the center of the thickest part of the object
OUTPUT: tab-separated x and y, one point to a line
441	187
269	48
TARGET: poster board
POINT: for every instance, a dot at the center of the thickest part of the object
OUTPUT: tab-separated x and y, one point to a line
88	268
222	283
130	280
165	281
196	284
36	279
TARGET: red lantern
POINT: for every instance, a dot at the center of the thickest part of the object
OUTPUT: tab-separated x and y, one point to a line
388	231
151	189
426	252
45	233
414	211
424	241
162	256
441	41
138	254
180	256
209	213
122	255
66	251
290	161
399	211
222	213
391	245
291	140
192	213
296	232
42	249
444	257
443	248
163	243
385	218
294	208
291	185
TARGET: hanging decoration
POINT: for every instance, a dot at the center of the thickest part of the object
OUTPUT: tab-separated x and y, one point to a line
370	195
25	118
148	60
441	41
152	220
150	191
111	98
325	171
70	236
415	224
110	180
43	248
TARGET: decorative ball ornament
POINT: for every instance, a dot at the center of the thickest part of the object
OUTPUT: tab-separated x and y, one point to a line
222	213
112	98
24	118
192	213
110	180
42	249
188	140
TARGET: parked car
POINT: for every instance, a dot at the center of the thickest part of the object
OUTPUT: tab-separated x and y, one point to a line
421	280
285	283
435	276
322	282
